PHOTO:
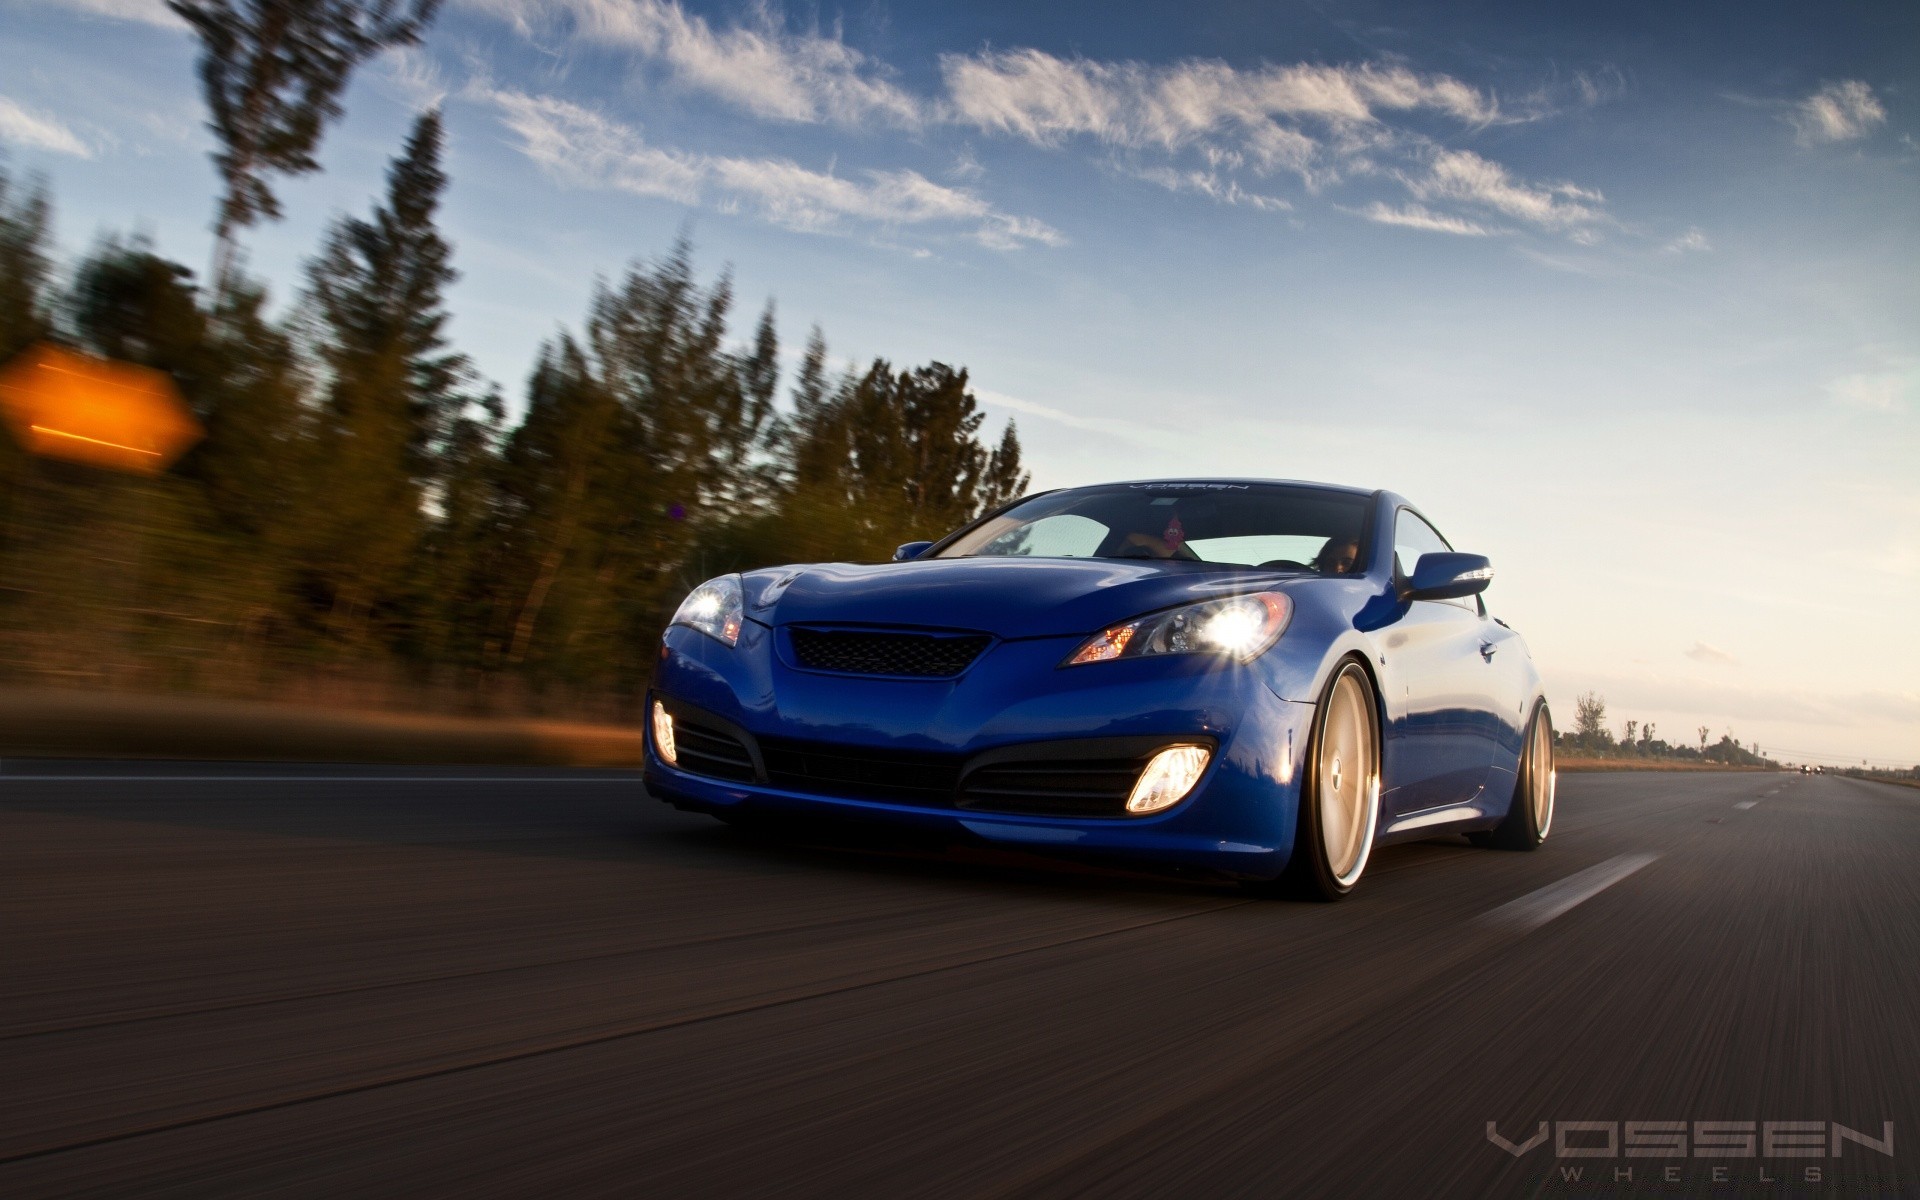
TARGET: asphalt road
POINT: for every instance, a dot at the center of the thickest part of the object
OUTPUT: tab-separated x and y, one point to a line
343	983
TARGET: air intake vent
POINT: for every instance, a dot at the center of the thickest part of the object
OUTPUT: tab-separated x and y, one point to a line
907	655
1059	787
705	750
861	774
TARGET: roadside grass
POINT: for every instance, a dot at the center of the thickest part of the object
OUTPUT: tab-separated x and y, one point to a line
53	723
1568	763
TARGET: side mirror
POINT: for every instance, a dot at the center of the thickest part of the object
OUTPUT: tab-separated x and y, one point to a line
1449	577
910	551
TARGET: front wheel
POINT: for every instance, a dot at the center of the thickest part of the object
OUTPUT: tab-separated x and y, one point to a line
1530	815
1340	795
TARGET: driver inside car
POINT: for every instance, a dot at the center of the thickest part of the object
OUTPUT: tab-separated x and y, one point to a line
1340	556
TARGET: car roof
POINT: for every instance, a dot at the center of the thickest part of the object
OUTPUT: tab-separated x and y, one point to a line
1205	481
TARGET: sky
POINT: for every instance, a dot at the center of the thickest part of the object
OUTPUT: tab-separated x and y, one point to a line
1627	299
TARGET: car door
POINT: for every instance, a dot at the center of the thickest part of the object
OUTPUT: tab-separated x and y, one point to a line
1439	751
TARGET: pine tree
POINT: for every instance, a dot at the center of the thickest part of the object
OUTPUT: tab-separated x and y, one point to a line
395	390
24	268
272	72
24	271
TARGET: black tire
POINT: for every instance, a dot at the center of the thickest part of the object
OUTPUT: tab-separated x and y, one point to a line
1314	871
1530	813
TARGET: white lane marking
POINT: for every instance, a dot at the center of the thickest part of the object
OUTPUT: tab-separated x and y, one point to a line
1537	908
635	778
1746	804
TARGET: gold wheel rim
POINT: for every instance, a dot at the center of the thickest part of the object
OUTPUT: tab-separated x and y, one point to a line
1541	778
1347	784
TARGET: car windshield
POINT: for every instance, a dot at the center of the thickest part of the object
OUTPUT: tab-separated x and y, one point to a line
1238	524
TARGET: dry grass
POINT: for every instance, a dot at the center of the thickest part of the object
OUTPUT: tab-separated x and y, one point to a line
1562	763
75	724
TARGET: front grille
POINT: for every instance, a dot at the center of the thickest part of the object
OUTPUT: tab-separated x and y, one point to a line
913	655
861	774
1063	787
705	750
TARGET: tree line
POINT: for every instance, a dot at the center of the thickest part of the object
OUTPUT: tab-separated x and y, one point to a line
362	522
1590	737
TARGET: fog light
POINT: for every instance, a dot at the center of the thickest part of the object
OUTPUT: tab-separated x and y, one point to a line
663	734
1168	778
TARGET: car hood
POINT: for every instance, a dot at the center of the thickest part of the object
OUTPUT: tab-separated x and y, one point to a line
1007	597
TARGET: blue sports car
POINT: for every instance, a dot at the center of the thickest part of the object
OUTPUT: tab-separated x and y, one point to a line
1259	680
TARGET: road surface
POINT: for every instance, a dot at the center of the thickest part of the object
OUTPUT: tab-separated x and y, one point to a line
340	982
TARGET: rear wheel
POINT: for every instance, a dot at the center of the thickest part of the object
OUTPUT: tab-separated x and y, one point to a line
1530	815
1340	795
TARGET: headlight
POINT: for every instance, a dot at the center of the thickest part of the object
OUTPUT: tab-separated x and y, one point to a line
663	735
714	608
1239	627
1168	778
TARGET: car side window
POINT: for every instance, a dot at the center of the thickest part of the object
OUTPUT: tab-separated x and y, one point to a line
1413	537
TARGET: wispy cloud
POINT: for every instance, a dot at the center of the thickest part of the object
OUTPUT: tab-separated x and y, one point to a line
1883	391
1701	652
1414	216
762	67
1465	177
1127	431
1043	98
42	131
583	148
145	12
1690	242
1212	185
414	77
1838	112
1201	126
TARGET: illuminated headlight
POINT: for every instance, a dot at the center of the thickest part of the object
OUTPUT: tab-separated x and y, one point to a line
1169	776
1239	627
663	735
714	608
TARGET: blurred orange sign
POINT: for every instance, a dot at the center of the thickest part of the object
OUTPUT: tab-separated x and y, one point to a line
96	411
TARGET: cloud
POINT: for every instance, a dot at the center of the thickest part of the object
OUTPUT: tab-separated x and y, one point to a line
1195	125
1883	392
414	77
582	148
1690	242
1465	177
1838	112
1126	431
1037	96
145	12
1701	652
1414	216
1212	185
39	130
762	68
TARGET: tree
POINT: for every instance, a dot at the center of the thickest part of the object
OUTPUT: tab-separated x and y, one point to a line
24	304
1703	739
395	390
24	268
1590	716
272	72
1629	739
129	303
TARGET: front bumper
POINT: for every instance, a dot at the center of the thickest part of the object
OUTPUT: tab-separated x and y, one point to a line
1013	702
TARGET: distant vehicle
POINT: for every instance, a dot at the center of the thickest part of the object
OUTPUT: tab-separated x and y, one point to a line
1260	679
1805	769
